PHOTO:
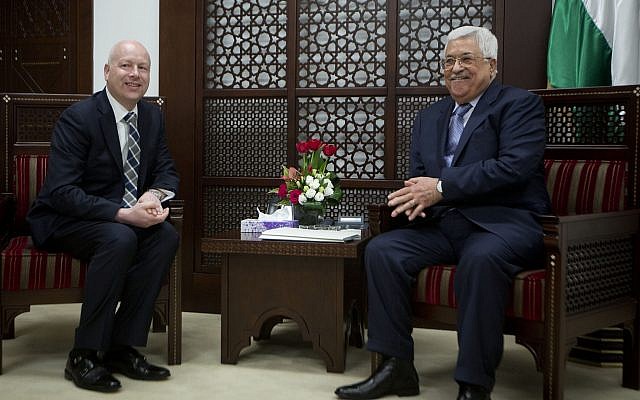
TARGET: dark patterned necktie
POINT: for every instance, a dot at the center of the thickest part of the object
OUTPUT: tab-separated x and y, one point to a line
456	126
131	163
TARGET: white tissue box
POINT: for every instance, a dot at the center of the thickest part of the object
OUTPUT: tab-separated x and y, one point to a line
255	225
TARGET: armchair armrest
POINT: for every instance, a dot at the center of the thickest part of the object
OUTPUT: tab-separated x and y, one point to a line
590	260
174	334
380	219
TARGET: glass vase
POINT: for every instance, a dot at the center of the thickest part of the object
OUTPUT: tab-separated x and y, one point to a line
309	215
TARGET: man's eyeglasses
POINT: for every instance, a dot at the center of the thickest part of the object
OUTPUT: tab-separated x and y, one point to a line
465	61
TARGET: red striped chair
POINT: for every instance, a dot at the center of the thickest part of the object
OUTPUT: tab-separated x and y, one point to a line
32	276
589	280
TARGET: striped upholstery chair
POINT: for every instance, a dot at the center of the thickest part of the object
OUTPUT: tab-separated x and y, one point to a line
575	187
33	276
25	267
586	284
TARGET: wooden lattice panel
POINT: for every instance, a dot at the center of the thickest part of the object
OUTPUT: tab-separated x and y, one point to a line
356	200
422	30
354	124
598	272
588	124
40	18
342	43
225	206
408	108
245	136
245	44
36	124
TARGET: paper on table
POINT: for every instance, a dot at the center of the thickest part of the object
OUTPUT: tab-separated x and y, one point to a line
311	235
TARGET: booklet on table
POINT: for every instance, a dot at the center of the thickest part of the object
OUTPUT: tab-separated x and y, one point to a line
311	235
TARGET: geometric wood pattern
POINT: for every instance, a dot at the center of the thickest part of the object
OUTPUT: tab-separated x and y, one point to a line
40	18
354	124
342	43
586	124
422	30
246	44
225	206
408	108
588	283
244	137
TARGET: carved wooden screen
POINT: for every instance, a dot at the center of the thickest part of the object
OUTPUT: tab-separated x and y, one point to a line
349	72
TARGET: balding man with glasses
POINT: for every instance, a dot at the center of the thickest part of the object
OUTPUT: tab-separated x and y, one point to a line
476	186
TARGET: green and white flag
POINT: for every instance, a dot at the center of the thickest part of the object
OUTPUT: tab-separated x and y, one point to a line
594	43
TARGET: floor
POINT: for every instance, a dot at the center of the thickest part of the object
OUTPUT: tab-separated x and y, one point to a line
281	368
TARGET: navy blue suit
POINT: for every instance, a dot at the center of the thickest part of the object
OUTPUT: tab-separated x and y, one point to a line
485	224
75	211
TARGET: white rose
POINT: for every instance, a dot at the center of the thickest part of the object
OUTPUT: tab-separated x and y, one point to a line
310	193
328	191
328	183
315	184
308	180
319	196
302	198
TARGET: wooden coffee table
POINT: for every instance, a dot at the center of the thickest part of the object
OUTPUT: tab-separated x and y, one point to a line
318	285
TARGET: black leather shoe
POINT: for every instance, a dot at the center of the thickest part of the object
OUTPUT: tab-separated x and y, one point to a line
473	392
394	376
86	372
129	362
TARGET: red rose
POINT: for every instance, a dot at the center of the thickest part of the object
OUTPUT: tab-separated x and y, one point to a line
293	196
329	150
282	191
314	144
301	147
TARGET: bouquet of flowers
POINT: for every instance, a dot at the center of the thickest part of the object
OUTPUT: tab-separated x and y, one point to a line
310	186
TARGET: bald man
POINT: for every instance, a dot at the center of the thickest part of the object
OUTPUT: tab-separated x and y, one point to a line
109	173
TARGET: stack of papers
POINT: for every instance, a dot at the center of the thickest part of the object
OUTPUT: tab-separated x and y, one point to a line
311	235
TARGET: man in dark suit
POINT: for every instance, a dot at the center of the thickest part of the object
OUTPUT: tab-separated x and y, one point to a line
109	170
477	184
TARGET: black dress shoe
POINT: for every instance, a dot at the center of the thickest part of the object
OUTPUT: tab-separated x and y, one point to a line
129	362
473	392
86	372
394	376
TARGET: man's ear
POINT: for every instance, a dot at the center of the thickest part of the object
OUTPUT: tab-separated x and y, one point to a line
493	67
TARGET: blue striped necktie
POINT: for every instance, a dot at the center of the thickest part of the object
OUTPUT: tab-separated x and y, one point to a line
131	163
456	126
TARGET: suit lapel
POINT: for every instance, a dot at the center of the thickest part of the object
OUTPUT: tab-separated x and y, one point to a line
109	129
478	115
144	117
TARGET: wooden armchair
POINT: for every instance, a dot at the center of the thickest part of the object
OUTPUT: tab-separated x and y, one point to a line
30	276
591	275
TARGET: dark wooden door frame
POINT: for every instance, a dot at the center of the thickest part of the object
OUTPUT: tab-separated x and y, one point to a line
179	30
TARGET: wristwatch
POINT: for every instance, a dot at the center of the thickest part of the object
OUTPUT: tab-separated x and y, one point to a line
158	193
439	186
